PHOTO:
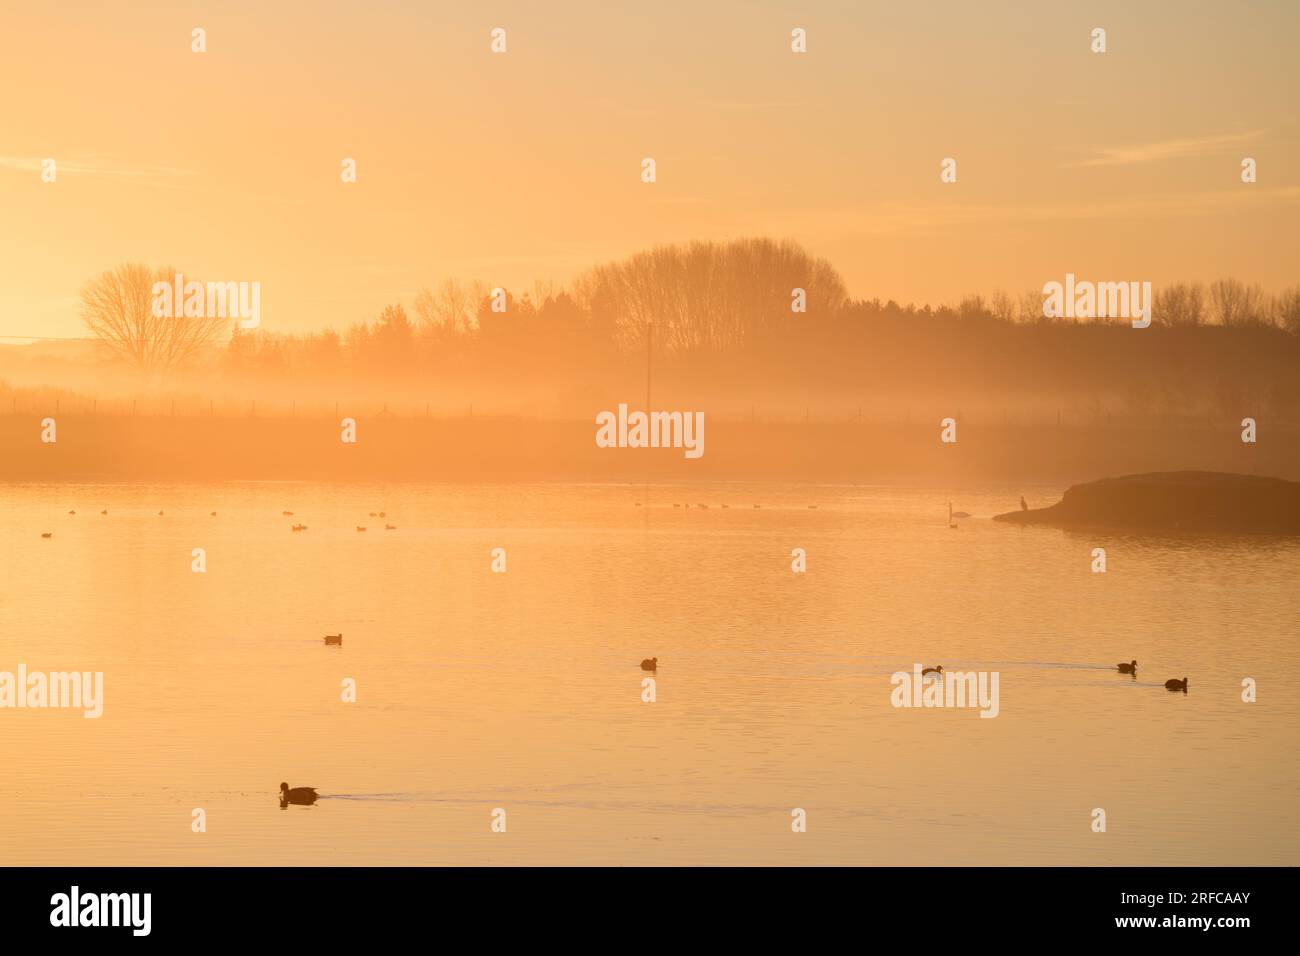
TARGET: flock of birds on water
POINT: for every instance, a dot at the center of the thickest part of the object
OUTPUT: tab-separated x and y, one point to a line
286	514
306	796
1130	668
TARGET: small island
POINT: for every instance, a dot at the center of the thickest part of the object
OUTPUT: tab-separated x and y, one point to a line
1180	501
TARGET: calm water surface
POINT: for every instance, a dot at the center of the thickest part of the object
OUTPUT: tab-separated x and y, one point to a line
522	691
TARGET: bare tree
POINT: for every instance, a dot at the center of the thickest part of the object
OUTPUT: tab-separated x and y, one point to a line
1180	304
1029	307
1003	307
450	309
1286	309
118	309
710	296
1232	302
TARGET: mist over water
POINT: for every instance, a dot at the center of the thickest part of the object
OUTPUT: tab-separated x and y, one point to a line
522	690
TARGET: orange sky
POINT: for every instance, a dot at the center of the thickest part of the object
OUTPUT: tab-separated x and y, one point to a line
522	166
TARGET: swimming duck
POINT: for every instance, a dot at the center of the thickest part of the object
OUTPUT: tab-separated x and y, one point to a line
104	512
650	664
390	527
287	514
361	527
214	514
1175	684
334	639
160	513
47	534
72	512
304	796
1129	668
936	669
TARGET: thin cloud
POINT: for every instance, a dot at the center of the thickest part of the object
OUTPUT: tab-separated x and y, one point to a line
91	166
902	218
1166	149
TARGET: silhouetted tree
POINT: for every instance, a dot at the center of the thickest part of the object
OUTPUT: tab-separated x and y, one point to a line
117	308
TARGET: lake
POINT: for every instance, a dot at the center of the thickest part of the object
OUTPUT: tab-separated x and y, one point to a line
521	690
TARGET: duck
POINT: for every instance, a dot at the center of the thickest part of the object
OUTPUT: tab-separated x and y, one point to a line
336	639
1130	668
936	669
104	512
47	534
287	514
390	527
383	514
159	512
361	527
374	514
1175	684
676	505
72	512
303	796
299	527
214	514
650	664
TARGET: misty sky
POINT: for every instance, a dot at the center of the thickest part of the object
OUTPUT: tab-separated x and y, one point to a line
509	168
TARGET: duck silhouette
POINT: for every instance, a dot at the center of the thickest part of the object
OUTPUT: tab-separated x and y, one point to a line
361	527
334	639
47	534
104	512
1129	668
301	796
650	664
390	527
1175	684
936	669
